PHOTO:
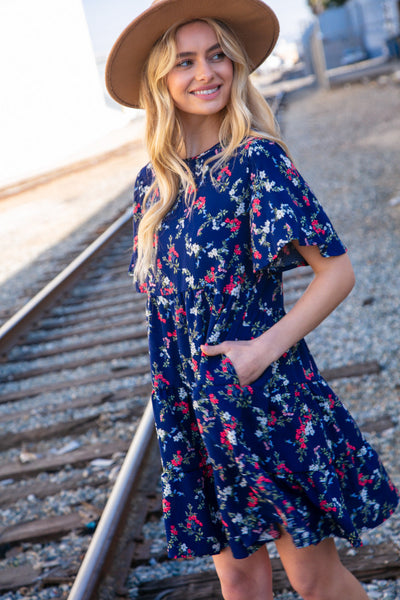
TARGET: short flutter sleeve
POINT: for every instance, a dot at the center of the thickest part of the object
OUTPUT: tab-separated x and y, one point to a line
284	209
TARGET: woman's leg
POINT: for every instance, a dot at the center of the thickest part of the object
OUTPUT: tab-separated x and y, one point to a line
245	578
316	573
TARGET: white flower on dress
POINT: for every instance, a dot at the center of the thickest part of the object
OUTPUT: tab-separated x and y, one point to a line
195	309
236	291
309	429
166	282
216	548
314	466
237	518
240	209
269	185
161	434
213	337
193	249
226	492
231	435
266	228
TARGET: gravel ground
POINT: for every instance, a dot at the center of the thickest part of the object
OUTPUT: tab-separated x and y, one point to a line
345	143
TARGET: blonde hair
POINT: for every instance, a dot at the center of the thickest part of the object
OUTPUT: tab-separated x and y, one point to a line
247	114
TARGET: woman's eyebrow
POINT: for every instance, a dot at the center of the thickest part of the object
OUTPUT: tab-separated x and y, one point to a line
192	53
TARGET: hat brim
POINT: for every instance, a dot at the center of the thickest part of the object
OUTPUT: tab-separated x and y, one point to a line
254	23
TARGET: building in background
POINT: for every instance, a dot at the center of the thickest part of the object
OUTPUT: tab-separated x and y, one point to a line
358	30
52	103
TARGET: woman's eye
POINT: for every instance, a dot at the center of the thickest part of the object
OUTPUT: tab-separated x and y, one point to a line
218	56
184	63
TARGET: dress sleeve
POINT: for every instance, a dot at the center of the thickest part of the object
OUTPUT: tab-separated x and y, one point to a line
284	209
142	183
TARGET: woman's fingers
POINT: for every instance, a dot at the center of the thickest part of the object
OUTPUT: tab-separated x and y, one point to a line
213	350
246	359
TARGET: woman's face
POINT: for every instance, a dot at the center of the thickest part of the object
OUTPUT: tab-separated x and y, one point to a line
200	82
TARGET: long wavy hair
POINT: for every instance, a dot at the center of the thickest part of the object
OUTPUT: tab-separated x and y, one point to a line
247	114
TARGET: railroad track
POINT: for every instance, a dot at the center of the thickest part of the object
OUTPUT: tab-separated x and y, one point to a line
74	381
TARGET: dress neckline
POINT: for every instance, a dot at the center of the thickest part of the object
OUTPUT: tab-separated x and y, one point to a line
204	154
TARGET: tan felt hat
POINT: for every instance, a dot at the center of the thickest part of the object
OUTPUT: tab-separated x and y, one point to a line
254	23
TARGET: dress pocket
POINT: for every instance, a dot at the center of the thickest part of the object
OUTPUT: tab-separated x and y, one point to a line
233	419
217	371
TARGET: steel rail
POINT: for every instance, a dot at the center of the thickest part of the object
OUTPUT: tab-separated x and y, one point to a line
13	329
92	567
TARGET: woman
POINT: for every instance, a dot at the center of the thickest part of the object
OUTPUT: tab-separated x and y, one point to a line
255	445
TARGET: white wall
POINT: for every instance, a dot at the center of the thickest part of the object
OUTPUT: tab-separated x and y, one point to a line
51	100
380	21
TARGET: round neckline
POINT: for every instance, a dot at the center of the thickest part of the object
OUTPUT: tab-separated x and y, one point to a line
205	152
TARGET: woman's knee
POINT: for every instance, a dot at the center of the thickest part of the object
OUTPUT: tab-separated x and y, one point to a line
236	584
325	581
246	578
314	572
310	586
337	583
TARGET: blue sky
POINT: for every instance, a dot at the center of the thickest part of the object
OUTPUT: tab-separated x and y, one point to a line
106	19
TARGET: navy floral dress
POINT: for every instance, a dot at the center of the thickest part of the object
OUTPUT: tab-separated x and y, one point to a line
238	461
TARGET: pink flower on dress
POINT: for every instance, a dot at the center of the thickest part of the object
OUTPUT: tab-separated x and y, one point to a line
224	170
256	207
166	506
316	227
199	203
177	461
234	222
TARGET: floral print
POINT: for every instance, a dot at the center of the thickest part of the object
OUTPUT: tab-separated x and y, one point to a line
238	462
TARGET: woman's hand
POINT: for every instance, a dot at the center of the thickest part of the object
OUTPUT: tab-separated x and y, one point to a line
245	355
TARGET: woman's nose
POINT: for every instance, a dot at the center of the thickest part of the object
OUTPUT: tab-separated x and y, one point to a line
203	70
